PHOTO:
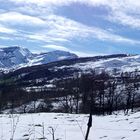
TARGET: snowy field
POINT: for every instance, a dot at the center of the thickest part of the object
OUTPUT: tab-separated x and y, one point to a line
69	127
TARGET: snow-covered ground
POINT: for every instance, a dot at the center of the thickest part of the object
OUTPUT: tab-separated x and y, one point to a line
69	127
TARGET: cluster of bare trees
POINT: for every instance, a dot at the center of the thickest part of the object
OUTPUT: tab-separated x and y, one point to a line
105	93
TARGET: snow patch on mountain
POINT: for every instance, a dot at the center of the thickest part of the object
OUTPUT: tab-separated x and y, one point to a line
130	63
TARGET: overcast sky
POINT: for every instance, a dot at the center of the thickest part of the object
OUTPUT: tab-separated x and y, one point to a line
85	27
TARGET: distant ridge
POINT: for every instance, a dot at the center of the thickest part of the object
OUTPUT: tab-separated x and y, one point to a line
15	56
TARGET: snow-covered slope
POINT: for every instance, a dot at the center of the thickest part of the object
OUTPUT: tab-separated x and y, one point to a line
69	127
13	57
123	64
44	58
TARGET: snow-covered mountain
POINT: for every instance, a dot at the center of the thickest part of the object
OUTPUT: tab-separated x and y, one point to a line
17	57
12	57
53	56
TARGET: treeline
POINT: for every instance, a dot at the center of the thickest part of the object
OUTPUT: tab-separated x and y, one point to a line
102	93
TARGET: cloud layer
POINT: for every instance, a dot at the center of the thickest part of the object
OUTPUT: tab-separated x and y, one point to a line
49	23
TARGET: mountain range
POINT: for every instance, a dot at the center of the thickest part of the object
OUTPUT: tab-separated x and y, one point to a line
12	57
18	57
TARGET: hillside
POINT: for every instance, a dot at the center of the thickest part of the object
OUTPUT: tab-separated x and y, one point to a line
49	87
